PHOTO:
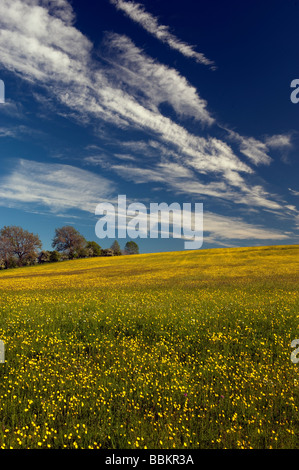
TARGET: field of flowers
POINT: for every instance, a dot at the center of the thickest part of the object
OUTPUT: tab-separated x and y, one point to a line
170	350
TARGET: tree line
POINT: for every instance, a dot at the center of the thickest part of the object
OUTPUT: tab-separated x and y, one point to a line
18	247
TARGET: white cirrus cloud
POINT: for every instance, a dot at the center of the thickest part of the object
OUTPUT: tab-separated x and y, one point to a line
57	187
182	180
39	47
37	41
279	141
137	13
156	82
255	150
64	188
234	228
293	192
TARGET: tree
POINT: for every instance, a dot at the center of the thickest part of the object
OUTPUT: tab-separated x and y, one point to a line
68	240
6	253
43	257
107	252
54	256
31	260
18	242
93	248
83	252
131	248
116	248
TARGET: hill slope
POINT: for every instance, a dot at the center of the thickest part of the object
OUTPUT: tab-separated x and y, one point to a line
147	269
170	350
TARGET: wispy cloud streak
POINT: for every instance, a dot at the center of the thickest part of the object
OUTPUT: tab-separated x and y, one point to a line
39	47
150	23
57	187
157	83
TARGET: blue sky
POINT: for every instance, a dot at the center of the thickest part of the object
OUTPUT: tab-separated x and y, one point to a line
162	101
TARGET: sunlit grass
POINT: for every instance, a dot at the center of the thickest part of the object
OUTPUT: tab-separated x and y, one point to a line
171	350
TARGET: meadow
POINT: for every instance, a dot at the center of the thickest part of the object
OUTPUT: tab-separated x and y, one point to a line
161	351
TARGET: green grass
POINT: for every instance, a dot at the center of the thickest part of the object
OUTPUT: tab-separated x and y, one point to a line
171	350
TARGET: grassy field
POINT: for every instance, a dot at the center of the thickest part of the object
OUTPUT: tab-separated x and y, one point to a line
171	350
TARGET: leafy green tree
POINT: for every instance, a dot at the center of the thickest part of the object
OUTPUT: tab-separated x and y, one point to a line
107	252
116	248
54	256
43	257
82	253
131	248
94	248
12	263
68	241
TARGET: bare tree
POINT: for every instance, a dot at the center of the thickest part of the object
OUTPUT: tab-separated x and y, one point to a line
68	240
19	242
6	253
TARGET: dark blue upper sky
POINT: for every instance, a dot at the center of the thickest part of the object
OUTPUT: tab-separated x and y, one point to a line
162	101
